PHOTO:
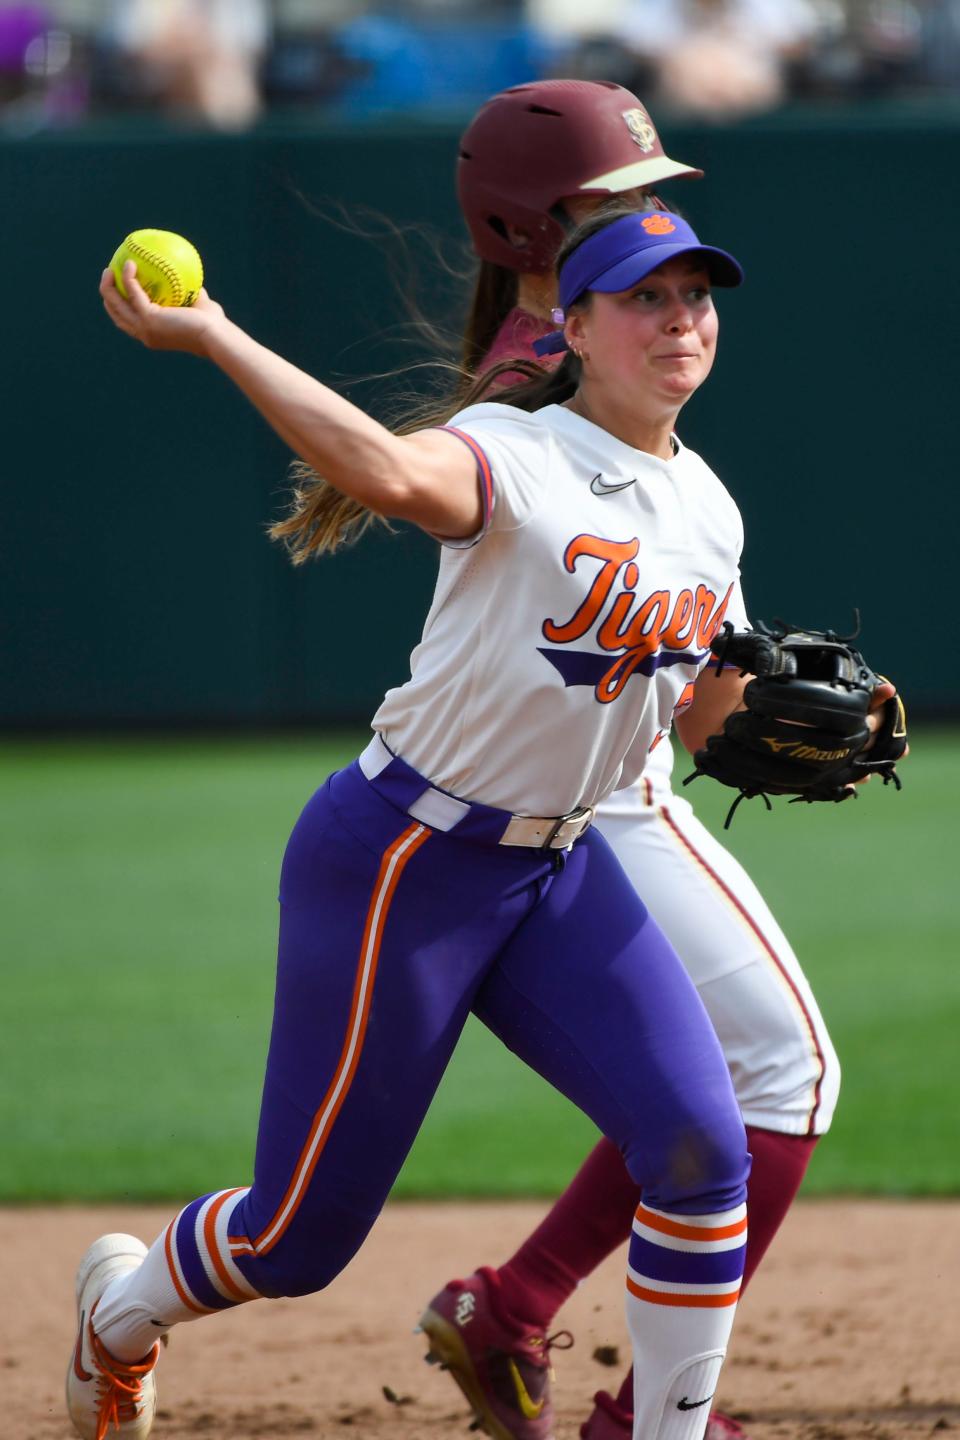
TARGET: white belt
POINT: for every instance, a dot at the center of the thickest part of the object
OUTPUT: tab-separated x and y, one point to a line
548	832
442	811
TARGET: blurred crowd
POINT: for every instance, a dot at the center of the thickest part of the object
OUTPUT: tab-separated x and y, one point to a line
224	63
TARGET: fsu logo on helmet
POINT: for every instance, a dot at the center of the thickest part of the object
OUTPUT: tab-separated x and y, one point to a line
641	129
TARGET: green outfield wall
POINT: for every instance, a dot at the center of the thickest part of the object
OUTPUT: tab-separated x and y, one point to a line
136	584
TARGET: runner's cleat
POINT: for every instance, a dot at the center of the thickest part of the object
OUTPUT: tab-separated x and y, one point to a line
610	1421
722	1427
501	1365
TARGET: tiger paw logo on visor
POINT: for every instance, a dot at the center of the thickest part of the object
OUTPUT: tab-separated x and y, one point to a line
658	224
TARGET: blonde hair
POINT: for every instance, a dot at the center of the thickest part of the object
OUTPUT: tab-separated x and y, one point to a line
321	519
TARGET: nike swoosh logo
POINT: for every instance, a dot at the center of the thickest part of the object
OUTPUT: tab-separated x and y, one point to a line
530	1409
686	1404
163	1324
598	486
78	1369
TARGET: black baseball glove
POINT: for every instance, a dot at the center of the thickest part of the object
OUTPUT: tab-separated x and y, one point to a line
804	731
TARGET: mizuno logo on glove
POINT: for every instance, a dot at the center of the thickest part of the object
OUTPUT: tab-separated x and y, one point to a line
798	751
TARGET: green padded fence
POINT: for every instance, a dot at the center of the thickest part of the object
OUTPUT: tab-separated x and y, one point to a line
137	585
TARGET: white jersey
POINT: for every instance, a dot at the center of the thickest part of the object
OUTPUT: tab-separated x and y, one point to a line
563	637
655	784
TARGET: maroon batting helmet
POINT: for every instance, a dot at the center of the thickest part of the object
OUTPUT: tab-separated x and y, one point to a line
534	145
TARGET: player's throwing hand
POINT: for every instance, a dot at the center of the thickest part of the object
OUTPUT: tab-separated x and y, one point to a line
159	327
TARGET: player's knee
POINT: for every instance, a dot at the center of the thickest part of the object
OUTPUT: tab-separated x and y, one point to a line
280	1276
317	1246
701	1168
829	1085
799	1083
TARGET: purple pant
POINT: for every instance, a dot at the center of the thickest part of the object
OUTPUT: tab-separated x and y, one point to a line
390	934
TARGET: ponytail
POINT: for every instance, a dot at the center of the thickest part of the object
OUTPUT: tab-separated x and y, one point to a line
321	519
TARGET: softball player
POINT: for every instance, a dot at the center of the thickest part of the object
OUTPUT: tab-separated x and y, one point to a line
533	158
453	866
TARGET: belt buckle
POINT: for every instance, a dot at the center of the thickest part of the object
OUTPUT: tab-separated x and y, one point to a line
547	834
570	827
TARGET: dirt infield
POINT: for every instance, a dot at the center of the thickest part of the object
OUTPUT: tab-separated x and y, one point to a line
851	1329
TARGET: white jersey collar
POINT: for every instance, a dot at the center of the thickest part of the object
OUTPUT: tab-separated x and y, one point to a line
565	419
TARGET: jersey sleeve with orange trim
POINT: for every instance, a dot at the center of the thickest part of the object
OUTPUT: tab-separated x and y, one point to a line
514	452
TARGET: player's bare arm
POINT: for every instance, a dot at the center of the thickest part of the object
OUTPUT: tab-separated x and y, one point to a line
714	698
428	478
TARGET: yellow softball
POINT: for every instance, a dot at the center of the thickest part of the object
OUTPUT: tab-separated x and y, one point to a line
168	266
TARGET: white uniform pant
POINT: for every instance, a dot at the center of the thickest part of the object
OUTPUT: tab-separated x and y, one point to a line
784	1068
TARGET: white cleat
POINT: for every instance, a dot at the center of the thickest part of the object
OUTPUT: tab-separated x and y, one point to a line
101	1390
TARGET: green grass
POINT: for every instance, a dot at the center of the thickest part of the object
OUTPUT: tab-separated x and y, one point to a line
137	930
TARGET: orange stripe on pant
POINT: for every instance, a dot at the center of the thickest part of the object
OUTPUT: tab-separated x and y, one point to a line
392	865
210	1236
669	1297
171	1266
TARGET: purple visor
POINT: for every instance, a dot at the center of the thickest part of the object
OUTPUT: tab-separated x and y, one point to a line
623	253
